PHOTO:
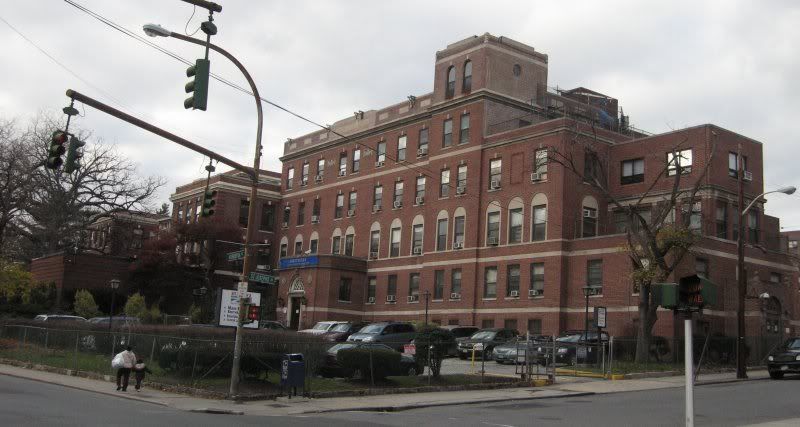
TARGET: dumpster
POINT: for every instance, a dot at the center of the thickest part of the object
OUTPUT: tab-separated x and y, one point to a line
293	372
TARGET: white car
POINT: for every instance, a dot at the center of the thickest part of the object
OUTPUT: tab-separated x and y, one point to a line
321	327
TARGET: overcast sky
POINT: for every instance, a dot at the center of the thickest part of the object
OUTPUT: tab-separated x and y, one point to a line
671	65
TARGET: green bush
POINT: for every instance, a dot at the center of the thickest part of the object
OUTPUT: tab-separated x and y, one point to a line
384	362
428	336
84	305
135	307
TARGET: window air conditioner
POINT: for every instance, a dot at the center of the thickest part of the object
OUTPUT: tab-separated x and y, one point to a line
371	300
413	298
534	292
458	245
351	212
492	241
748	176
419	200
391	298
378	164
589	213
318	178
536	176
342	173
398	204
461	190
514	294
315	219
376	208
417	250
422	151
495	184
455	295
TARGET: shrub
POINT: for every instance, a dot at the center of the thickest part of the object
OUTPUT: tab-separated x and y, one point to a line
384	362
135	307
85	306
428	336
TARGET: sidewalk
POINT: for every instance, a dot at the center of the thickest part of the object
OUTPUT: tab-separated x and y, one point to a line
395	402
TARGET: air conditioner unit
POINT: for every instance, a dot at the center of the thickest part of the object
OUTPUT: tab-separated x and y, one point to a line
461	190
315	219
413	298
495	184
391	298
379	164
304	182
458	245
589	213
285	224
455	295
492	241
422	151
371	300
376	208
318	178
748	176
373	255
419	200
416	250
534	292
342	173
351	212
536	176
398	204
514	294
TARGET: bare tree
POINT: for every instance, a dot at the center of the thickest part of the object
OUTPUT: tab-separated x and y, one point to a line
15	173
656	242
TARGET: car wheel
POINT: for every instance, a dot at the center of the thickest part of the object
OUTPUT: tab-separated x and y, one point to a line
775	375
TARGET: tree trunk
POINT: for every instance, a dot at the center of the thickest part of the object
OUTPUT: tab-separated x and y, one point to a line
647	318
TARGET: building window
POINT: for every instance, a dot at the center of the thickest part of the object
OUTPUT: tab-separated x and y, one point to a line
394	242
438	284
490	282
722	220
315	209
336	247
510	324
301	213
701	267
455	281
752	225
680	159
313	246
289	178
287	215
372	284
298	247
337	212
348	245
512	280
696	217
391	286
244	210
537	278
515	225
381	153
632	171
342	164
304	174
447	133
420	193
351	202
321	168
463	133
284	250
441	234
267	217
589	222
374	243
458	230
461	178
413	284
539	229
733	164
534	326
401	148
377	197
450	88
416	239
792	244
594	274
356	160
540	163
344	289
466	84
423	139
493	227
398	193
775	278
495	173
444	183
487	323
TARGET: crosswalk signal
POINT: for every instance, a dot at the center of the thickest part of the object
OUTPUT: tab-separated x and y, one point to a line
56	150
208	203
74	155
253	312
198	87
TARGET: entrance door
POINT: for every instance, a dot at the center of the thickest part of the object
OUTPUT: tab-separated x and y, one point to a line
294	316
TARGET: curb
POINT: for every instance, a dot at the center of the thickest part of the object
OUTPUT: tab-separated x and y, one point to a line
216	411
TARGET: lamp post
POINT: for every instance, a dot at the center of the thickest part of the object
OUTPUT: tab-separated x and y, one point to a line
114	283
588	291
741	362
153	30
427	295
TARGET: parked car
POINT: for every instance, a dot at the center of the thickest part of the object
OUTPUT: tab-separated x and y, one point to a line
52	318
342	331
331	367
784	359
116	322
489	338
271	324
395	335
571	347
321	327
460	332
514	351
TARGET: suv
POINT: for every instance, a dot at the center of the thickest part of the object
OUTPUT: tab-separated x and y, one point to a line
342	331
126	321
571	347
321	327
784	359
489	338
52	318
395	335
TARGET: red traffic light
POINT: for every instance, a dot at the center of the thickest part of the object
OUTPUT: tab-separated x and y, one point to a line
59	137
253	312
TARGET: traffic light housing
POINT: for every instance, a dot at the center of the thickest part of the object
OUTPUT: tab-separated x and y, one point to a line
56	150
253	313
208	203
73	155
198	87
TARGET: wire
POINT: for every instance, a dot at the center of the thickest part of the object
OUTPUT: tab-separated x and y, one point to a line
186	27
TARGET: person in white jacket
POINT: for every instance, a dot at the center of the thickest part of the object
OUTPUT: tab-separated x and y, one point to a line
124	373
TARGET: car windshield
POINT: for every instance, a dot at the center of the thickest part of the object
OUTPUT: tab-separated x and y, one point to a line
341	346
793	344
483	335
463	332
342	327
321	326
569	338
372	329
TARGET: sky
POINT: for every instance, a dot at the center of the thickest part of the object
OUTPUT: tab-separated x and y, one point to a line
670	64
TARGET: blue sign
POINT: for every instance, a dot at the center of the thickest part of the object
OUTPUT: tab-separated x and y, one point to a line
299	262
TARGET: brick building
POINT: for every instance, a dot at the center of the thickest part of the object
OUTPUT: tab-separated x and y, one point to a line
448	198
123	233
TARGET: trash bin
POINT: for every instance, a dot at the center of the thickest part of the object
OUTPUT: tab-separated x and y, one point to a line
293	372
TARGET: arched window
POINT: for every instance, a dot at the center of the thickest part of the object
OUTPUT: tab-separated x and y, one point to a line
450	89
298	244
394	238
589	213
374	240
417	232
441	231
493	224
539	218
516	215
459	227
284	246
466	84
336	242
313	243
349	240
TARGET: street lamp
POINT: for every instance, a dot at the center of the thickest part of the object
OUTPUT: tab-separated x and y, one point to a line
588	291
114	283
741	362
154	30
427	295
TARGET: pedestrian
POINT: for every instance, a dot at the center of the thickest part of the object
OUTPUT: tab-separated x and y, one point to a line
139	369
124	362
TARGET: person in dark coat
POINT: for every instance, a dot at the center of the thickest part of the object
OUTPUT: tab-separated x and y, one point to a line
124	373
139	369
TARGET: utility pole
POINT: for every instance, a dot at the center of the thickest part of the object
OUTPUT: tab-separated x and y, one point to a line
427	294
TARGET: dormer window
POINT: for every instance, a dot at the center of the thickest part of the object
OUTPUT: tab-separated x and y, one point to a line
450	90
466	84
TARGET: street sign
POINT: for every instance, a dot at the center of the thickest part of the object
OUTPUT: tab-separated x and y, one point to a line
236	255
262	278
600	317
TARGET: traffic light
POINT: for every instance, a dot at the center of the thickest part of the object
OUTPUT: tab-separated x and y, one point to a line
73	155
198	88
208	203
253	313
56	150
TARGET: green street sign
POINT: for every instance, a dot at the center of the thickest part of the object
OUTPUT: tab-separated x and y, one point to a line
262	278
236	255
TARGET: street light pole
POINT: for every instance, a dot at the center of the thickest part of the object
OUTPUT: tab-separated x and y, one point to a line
114	283
427	294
